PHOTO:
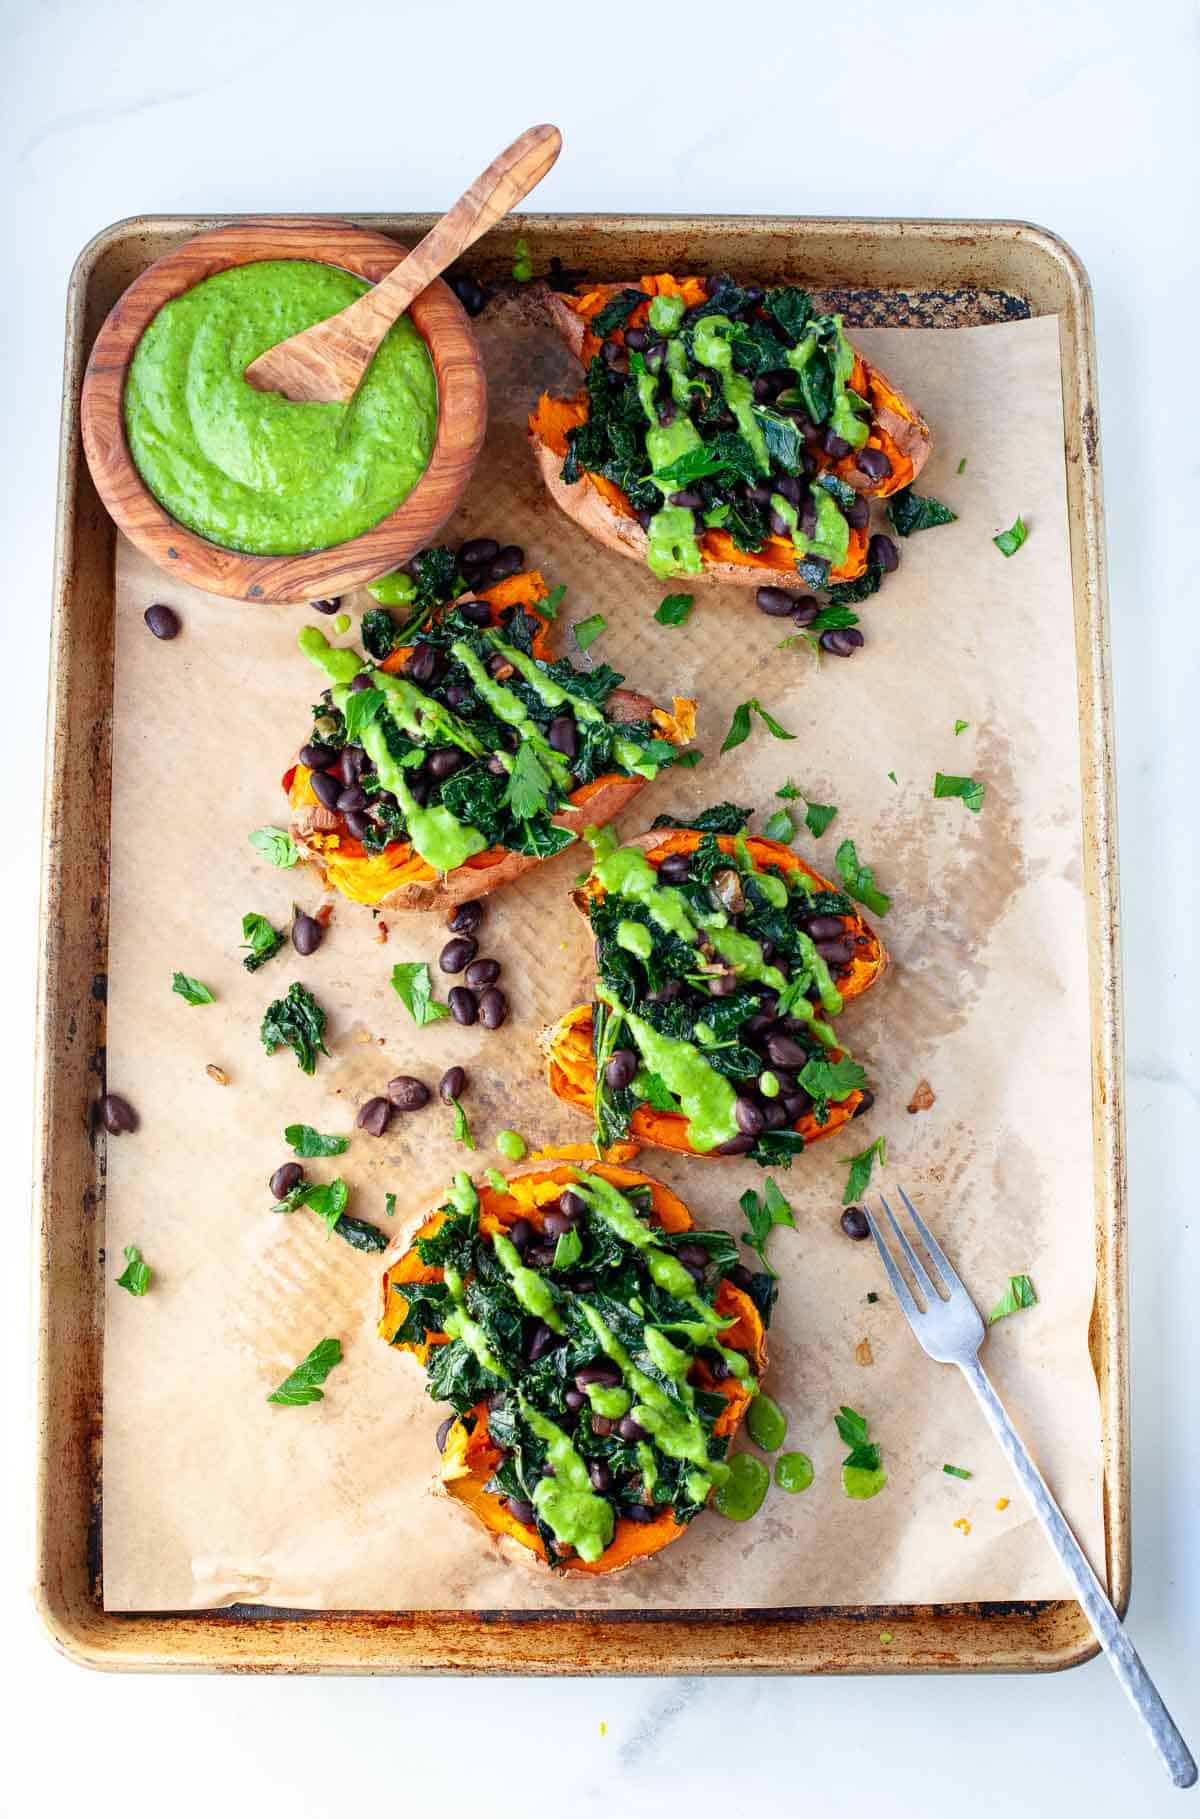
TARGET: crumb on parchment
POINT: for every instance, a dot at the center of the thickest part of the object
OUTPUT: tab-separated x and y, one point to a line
863	1353
923	1096
964	1525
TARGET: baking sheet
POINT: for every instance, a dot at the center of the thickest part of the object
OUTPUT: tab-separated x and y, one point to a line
208	1498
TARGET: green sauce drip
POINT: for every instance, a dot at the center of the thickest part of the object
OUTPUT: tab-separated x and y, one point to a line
531	1290
713	347
339	665
861	1483
793	1471
635	938
767	1424
567	1504
458	1324
741	1495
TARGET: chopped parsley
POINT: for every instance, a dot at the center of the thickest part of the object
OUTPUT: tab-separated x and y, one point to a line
192	991
360	709
739	726
675	609
548	608
960	726
136	1275
892	777
529	784
861	1167
296	1022
966	788
411	982
305	1141
1019	1294
962	466
859	880
762	1216
588	630
955	1471
303	1384
462	1130
262	939
389	1205
276	846
817	817
862	1476
1010	541
780	826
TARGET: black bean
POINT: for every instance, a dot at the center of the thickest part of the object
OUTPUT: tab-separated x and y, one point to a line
614	356
444	762
351	764
808	517
602	1425
776	602
457	697
670	989
637	1512
572	1205
694	1255
806	610
883	553
583	1285
622	1066
644	517
857	514
774	1116
674	868
637	339
556	1225
287	1176
443	1432
493	1008
789	486
757	1025
375	1116
522	1235
479	550
465	918
718	1370
318	757
326	788
834	445
734	1146
509	562
823	928
739	1275
842	642
520	1510
360	683
686	497
574	1399
162	620
540	1341
655	354
854	1223
464	1006
747	1115
475	612
498	665
423	664
470	293
723	985
328	607
458	953
779	524
760	492
865	1103
762	389
600	1475
563	735
629	1429
795	1104
453	1084
784	1052
835	953
482	973
307	935
354	796
407	1094
359	824
873	463
601	1373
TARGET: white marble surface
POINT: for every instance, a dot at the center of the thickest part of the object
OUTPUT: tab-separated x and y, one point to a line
1080	116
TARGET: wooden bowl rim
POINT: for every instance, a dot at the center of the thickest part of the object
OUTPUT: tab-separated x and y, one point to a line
308	574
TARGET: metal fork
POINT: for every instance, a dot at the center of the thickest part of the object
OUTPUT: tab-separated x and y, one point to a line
951	1329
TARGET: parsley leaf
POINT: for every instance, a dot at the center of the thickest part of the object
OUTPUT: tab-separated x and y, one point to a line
136	1274
675	609
859	880
262	939
739	726
327	1201
861	1166
548	608
762	1216
1010	541
305	1141
529	784
910	512
360	709
462	1130
955	1471
962	466
832	1079
656	1093
967	788
411	981
863	1458
192	991
1019	1293
588	630
567	1251
789	793
302	1385
960	726
817	817
780	826
276	846
296	1022
389	1205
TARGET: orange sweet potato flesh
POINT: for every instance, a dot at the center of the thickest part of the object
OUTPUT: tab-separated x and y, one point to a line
469	1458
398	878
571	1068
897	429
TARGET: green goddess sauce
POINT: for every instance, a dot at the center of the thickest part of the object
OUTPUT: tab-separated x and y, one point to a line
252	470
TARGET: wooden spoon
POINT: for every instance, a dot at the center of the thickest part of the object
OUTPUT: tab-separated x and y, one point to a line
325	363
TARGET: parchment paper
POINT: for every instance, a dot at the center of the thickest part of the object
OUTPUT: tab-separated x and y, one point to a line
212	1496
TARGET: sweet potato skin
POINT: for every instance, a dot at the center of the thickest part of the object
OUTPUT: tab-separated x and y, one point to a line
570	1070
469	1458
600	509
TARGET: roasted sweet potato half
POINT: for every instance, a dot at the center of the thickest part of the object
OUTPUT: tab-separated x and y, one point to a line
721	962
518	1298
724	432
458	752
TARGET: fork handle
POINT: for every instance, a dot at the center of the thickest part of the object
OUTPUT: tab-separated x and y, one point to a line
1123	1658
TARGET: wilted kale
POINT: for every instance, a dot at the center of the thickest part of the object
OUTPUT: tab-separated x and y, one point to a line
616	312
378	632
791	309
296	1022
910	512
849	593
723	818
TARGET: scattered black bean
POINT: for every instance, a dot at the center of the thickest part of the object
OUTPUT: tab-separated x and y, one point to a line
779	524
419	787
540	1341
482	973
835	953
774	1116
600	1475
162	620
574	1399
556	1225
564	735
685	497
873	463
443	1432
326	788
475	612
360	683
328	607
784	1052
458	953
493	1008
807	522
287	1176
453	1084
351	764
444	762
522	1234
739	1275
479	550
734	1146
614	356
806	610
723	985
693	1255
470	293
854	1223
572	1204
865	1103
674	868
375	1116
422	665
510	561
883	553
823	928
464	1006
465	918
408	1094
360	825
601	1373
748	1116
602	1425
858	514
318	757
718	1370
843	642
520	1510
834	445
622	1066
353	796
776	602
629	1429
307	935
644	516
789	486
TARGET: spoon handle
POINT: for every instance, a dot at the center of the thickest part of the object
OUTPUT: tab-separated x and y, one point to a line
494	193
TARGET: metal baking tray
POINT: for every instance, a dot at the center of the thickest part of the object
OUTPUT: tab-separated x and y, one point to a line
931	273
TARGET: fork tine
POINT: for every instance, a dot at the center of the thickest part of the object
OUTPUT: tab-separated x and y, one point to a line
918	1269
949	1273
904	1294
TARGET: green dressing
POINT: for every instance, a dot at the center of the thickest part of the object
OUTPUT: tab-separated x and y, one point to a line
531	1290
713	347
566	1502
793	1471
458	1324
861	1483
675	1431
766	1423
635	938
741	1495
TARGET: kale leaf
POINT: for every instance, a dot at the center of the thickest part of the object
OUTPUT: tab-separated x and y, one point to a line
296	1022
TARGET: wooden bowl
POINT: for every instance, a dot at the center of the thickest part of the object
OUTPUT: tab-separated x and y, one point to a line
313	574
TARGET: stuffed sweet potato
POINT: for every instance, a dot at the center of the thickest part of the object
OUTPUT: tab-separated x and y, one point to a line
720	960
458	753
597	1351
723	432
